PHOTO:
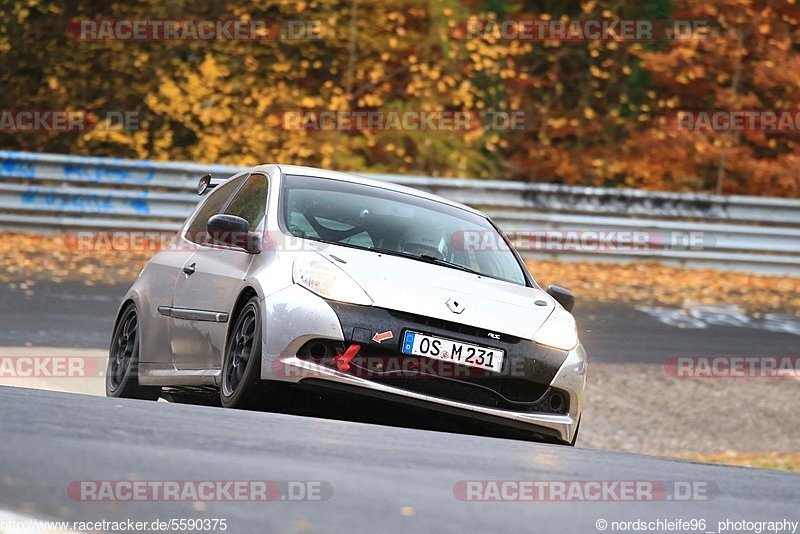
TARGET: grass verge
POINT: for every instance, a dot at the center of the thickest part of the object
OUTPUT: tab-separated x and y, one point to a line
776	460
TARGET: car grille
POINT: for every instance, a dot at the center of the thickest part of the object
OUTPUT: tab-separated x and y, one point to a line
456	328
482	388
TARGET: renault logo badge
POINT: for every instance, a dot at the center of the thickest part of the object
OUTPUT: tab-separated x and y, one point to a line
455	306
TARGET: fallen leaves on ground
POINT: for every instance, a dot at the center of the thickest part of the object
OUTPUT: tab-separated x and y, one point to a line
27	259
776	460
651	283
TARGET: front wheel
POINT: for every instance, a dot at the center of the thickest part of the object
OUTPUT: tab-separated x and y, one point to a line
122	372
241	385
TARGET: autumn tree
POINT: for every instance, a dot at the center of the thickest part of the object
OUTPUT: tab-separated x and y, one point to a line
598	110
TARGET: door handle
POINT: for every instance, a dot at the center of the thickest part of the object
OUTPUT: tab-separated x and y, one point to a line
188	270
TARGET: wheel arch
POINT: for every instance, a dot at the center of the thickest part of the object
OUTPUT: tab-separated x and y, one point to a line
245	295
131	297
122	306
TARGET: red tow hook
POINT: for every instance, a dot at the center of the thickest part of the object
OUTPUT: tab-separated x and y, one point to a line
342	361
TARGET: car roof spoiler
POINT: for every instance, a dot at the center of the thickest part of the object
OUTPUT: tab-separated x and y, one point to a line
207	182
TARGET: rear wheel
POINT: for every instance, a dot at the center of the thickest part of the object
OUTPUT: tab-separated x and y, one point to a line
241	385
122	372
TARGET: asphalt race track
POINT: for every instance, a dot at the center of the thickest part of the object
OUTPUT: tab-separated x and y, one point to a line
382	479
376	477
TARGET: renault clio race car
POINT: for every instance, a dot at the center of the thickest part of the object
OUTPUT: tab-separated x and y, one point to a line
296	275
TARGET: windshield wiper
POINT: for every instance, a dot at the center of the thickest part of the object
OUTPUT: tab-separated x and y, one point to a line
445	263
427	258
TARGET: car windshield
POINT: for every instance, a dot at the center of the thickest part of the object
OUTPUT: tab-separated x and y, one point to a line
373	218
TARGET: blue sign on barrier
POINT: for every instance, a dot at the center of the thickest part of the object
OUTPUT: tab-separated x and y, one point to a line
16	168
108	174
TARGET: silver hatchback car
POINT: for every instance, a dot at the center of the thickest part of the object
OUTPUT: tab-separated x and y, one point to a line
303	276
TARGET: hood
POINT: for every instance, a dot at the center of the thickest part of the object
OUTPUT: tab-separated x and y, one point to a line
412	286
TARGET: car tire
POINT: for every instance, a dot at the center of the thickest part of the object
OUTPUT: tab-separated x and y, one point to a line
241	385
122	371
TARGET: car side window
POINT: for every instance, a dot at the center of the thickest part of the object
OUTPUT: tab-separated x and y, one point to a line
196	232
300	227
250	202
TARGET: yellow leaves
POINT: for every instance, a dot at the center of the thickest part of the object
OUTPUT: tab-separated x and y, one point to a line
597	73
211	70
215	99
397	17
370	100
376	74
646	283
251	63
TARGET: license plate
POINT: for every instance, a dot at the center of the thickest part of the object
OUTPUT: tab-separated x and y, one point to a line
448	350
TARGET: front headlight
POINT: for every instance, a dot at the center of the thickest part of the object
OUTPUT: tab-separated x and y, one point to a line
322	277
558	331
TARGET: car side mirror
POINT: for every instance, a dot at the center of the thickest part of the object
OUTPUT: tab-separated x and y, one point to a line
234	231
563	296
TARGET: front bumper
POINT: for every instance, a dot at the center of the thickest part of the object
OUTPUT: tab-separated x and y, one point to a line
294	317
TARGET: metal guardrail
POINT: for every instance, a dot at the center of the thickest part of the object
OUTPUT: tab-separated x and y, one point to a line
48	192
